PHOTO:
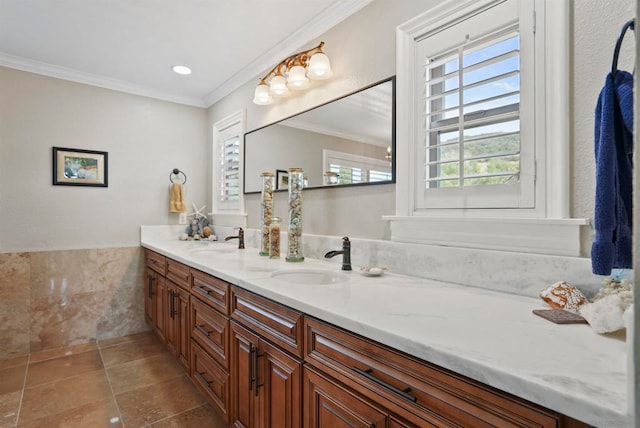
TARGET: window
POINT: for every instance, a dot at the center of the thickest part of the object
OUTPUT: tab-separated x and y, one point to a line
227	158
229	168
482	128
474	149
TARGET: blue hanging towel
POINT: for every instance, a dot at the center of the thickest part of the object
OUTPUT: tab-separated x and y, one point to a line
612	245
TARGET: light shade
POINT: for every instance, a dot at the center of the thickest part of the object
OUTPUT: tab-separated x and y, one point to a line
319	67
261	95
278	86
297	78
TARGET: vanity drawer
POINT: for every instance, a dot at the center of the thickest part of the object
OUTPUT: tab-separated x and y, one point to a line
211	330
178	273
210	289
278	323
212	379
412	387
155	261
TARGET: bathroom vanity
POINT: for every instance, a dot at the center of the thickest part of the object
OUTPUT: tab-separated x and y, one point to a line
392	351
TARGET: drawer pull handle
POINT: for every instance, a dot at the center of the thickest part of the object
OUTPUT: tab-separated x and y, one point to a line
172	305
201	329
204	289
203	379
404	393
252	368
151	286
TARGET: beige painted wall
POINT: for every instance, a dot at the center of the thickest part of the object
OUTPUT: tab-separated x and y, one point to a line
362	51
145	139
70	263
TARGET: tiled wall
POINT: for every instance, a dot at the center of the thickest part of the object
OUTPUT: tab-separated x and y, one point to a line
53	299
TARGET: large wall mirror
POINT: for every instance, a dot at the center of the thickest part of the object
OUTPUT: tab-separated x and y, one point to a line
347	142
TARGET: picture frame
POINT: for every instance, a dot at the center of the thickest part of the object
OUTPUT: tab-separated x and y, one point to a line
76	167
282	179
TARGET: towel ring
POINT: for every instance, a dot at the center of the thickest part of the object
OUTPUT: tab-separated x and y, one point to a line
176	172
630	24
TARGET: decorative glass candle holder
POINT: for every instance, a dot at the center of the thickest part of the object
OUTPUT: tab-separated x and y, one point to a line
266	206
294	230
330	178
274	238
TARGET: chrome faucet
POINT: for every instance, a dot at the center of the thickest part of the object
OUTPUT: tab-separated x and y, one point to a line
240	238
346	253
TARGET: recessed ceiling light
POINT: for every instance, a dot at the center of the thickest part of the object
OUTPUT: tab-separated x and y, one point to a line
181	69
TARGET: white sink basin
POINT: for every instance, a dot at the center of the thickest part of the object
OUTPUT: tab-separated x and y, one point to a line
309	276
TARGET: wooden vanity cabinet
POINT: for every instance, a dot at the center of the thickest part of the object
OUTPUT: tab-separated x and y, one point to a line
413	390
209	333
266	374
211	378
262	364
167	303
330	405
176	311
154	301
155	267
178	329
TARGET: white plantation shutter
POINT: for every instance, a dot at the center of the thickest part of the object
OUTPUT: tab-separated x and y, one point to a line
475	152
228	138
230	169
355	168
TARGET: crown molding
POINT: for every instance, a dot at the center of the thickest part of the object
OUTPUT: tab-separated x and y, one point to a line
51	70
330	17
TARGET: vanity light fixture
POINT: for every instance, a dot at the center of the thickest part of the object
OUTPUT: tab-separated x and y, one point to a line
293	73
181	69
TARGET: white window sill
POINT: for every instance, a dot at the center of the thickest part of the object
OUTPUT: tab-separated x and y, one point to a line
559	237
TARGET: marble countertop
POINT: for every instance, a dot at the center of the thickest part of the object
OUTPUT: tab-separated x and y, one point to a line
486	335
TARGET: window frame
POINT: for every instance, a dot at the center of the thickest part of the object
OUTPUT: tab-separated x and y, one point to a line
221	130
547	227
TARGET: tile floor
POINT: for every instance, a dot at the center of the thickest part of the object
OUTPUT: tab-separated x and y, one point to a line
130	382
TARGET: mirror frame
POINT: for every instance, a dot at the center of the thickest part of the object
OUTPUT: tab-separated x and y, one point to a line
391	79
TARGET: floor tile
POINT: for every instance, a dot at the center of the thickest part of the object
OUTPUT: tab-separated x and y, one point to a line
12	379
54	398
203	416
139	373
132	351
13	362
62	352
9	406
99	414
105	343
63	367
153	403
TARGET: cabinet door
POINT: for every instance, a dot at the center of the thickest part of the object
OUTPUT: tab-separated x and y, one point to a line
150	296
279	379
330	405
160	300
181	303
244	386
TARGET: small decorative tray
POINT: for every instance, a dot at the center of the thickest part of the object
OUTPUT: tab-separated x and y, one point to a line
372	271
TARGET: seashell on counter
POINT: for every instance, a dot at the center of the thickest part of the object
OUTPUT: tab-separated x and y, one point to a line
563	295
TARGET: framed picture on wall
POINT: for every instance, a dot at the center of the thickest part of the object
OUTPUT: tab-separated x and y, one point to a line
75	167
282	179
